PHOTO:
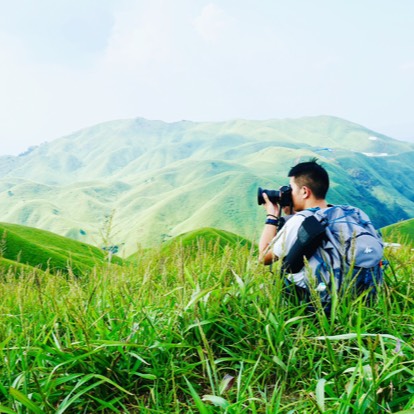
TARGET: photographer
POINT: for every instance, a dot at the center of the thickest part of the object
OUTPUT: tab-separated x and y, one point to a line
339	243
309	184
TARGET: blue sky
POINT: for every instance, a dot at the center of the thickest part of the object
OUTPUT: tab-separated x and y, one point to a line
69	64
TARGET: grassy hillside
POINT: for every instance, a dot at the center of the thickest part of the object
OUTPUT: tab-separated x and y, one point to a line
158	180
13	268
217	335
26	246
402	232
213	239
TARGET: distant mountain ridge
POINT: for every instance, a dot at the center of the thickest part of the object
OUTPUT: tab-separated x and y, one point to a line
141	182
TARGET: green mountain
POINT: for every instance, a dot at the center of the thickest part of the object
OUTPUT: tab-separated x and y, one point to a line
218	239
27	247
401	232
136	182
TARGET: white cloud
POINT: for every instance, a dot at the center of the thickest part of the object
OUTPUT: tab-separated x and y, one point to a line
212	23
140	36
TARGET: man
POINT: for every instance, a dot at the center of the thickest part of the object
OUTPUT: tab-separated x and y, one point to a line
309	183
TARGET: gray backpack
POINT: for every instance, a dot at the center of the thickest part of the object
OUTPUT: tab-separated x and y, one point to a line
344	247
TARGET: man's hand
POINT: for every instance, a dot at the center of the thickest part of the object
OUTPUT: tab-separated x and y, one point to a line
272	209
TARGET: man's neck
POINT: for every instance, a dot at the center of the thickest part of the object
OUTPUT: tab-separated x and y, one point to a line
314	203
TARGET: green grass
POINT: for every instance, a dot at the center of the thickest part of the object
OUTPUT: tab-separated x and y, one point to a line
27	246
400	232
216	240
201	329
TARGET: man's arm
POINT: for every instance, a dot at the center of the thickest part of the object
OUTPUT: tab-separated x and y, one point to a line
266	255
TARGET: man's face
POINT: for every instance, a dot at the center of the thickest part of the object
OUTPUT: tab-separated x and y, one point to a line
297	195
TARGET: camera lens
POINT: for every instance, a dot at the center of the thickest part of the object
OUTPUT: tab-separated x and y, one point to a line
274	196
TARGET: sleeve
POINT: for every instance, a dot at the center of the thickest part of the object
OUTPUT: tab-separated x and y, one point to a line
287	236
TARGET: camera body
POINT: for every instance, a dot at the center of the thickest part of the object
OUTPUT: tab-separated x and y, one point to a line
283	196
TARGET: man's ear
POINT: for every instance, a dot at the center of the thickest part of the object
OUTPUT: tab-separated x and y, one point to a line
306	192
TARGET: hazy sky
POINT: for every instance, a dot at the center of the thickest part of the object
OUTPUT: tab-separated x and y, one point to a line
69	64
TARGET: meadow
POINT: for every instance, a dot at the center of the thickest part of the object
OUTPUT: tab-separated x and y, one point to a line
201	328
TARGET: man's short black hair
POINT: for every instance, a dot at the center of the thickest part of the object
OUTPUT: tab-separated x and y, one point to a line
312	175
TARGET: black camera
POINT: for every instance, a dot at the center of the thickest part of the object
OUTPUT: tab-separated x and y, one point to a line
283	196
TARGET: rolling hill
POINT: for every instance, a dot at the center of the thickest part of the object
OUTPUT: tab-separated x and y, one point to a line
139	182
26	247
217	239
401	232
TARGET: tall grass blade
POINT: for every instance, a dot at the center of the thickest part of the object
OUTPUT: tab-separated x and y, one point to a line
320	394
6	410
67	402
217	401
199	403
19	396
405	412
355	336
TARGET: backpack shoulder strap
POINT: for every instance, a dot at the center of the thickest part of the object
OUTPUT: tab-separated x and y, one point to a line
309	238
308	212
